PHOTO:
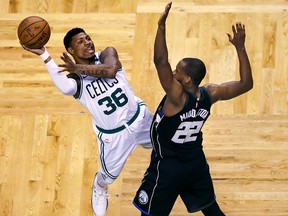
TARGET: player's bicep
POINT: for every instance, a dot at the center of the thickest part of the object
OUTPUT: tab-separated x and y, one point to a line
165	76
225	91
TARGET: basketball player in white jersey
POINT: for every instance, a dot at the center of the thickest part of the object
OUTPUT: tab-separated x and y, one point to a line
120	119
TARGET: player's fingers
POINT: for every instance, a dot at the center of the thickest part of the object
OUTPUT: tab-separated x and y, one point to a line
165	13
239	27
229	36
66	55
63	59
67	58
234	29
24	47
63	69
168	7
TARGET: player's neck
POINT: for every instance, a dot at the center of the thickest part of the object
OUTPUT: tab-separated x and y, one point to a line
192	89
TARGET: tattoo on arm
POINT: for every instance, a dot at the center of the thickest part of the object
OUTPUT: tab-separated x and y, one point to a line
94	70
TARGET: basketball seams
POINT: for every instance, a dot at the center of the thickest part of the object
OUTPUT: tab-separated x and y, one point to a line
34	32
40	32
31	25
27	20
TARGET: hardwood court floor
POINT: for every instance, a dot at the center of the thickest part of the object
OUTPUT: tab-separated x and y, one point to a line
47	165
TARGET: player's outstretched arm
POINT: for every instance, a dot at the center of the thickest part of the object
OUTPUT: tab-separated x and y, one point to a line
64	84
161	52
232	89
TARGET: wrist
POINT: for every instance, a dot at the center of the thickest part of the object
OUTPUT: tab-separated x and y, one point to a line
78	68
45	56
239	49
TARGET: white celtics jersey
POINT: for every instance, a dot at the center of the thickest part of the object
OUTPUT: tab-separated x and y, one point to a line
111	102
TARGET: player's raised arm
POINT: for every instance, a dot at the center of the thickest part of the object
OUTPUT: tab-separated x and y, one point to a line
228	90
171	86
64	84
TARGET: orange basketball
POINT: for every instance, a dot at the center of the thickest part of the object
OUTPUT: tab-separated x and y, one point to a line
34	32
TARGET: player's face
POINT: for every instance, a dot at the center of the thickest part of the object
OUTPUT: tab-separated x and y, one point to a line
179	71
83	46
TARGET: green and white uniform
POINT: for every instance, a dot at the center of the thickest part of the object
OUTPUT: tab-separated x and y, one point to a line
120	119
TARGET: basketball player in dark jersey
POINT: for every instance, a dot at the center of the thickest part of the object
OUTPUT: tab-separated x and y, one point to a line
178	165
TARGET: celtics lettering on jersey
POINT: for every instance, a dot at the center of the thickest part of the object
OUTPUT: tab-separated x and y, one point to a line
188	130
99	86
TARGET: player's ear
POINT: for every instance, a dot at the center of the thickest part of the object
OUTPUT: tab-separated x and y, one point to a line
187	79
70	50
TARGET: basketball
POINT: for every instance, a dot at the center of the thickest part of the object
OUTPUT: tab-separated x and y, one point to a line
34	32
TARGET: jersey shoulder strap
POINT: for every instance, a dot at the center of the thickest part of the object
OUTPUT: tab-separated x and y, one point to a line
206	94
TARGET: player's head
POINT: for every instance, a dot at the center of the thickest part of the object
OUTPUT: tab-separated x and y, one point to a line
193	68
79	44
69	35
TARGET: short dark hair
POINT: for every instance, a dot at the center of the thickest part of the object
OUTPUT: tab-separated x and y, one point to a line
195	68
68	37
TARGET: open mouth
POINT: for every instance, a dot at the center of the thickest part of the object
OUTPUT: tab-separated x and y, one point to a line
90	50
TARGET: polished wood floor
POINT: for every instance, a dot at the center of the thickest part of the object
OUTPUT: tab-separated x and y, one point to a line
48	151
47	165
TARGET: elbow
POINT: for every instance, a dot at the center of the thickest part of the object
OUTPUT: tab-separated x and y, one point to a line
248	86
111	75
251	85
112	72
67	91
108	74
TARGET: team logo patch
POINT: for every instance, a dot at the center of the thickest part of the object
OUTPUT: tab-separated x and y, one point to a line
143	197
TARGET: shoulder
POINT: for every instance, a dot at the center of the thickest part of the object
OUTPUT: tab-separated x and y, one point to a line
204	91
212	90
109	50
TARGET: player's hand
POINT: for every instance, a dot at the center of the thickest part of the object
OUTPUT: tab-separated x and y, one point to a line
162	20
35	51
69	65
238	38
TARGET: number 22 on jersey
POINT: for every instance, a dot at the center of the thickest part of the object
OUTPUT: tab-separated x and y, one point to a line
187	131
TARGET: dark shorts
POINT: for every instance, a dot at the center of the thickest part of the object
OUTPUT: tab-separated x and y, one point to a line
165	179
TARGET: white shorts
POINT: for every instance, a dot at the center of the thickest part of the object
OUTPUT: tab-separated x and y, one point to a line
114	148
